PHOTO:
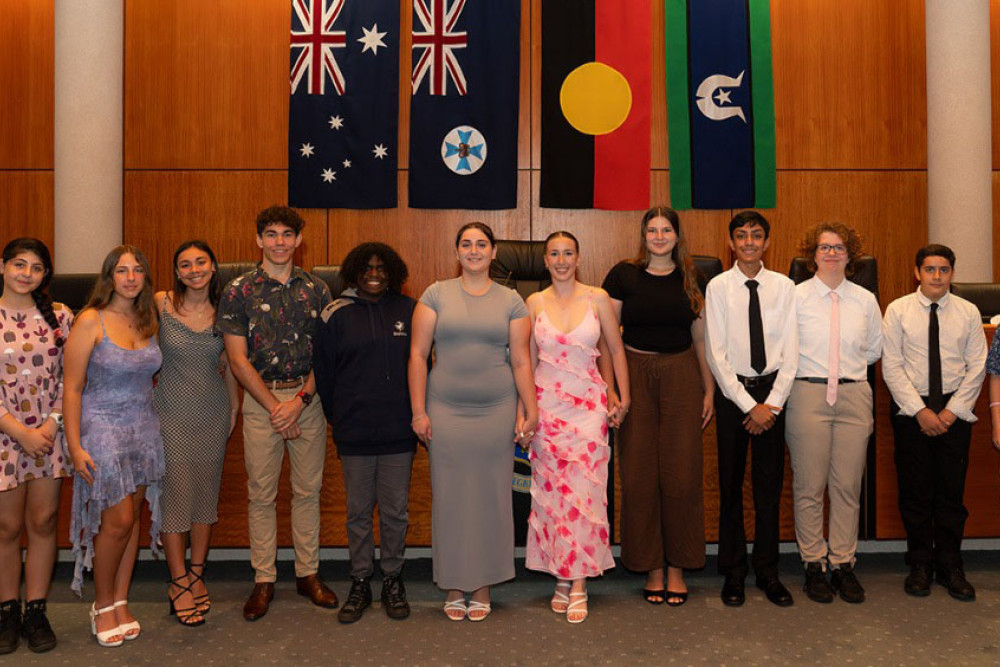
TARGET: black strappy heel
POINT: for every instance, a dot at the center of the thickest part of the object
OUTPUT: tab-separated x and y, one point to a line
187	616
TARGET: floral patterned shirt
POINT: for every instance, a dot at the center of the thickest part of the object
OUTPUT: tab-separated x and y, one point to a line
278	320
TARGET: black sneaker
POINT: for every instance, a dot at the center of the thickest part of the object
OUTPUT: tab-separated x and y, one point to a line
843	580
394	598
816	587
958	586
918	582
10	626
36	628
358	599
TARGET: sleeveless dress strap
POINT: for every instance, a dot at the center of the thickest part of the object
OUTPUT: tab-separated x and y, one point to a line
100	316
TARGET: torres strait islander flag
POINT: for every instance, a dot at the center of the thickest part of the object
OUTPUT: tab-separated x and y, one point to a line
720	104
342	116
463	113
596	72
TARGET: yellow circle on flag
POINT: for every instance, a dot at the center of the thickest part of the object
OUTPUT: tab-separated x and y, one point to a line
595	98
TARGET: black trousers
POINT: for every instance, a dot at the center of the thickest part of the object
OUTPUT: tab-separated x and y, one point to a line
931	472
767	469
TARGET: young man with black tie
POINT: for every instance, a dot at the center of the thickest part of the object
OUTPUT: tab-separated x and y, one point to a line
752	349
934	362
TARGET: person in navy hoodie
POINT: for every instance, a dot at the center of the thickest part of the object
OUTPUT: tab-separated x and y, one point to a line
360	355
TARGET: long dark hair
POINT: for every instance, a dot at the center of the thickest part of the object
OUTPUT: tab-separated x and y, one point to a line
679	254
214	288
40	294
144	307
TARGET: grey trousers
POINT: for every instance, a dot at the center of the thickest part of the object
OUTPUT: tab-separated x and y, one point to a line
385	480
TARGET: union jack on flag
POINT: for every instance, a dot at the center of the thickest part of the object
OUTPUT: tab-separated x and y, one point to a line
316	40
438	41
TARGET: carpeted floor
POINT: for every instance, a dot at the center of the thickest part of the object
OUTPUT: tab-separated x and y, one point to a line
890	628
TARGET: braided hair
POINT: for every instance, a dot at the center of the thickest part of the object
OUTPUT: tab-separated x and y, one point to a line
41	296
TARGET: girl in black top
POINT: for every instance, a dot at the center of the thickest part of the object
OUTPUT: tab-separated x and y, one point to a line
658	302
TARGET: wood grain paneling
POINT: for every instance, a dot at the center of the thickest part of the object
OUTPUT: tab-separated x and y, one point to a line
164	208
995	82
26	207
27	74
849	84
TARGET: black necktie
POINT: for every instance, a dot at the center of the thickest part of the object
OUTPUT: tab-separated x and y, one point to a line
758	355
935	396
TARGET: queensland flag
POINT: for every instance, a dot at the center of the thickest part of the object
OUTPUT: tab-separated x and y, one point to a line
720	104
342	116
596	79
463	114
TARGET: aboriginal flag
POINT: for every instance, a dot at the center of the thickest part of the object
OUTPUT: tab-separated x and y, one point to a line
596	72
720	104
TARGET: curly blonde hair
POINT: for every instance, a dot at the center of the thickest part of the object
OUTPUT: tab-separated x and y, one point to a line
852	240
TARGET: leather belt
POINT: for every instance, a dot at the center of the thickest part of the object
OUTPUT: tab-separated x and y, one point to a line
285	384
758	380
823	380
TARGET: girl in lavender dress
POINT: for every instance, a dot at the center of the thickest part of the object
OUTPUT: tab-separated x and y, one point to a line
113	435
33	457
568	525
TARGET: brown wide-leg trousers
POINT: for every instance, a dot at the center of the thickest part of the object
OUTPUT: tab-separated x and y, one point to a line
663	507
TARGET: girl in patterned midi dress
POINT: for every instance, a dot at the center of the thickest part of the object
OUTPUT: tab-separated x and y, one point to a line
197	401
33	457
568	525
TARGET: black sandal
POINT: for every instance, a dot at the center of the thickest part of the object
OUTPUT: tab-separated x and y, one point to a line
187	616
203	602
682	598
649	595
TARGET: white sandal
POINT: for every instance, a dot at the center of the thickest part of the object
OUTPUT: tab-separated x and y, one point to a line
455	606
570	609
560	598
104	636
127	627
476	605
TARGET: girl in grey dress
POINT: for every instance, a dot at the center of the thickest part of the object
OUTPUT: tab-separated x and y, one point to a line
479	401
197	407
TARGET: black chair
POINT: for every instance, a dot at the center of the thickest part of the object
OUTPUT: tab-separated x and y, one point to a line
230	270
520	265
865	272
708	267
72	289
330	274
985	297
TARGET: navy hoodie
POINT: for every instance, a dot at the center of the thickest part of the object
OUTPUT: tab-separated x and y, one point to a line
360	355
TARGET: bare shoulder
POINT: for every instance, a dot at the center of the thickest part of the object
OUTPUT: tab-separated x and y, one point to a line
159	298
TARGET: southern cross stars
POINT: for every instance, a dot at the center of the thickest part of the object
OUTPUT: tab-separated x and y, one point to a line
380	151
347	164
307	150
372	39
329	175
336	122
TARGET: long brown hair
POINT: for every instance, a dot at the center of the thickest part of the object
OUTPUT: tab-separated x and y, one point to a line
679	254
214	288
143	305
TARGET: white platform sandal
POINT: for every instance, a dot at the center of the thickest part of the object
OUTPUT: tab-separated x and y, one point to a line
104	637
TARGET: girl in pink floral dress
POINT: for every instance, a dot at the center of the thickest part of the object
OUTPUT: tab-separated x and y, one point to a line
568	525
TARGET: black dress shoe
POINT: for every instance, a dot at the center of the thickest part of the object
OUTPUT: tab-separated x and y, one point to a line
733	594
918	582
10	626
394	598
36	629
846	583
358	599
259	601
954	580
775	591
817	588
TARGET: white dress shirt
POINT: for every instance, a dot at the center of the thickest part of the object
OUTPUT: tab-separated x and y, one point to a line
727	333
860	329
963	352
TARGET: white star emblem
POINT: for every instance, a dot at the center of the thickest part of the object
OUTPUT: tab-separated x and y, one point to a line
329	175
336	122
372	39
306	150
380	151
723	97
347	164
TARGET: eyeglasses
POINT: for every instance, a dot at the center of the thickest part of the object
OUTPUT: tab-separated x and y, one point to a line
826	249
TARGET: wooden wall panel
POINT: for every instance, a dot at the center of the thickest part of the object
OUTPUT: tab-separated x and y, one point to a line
995	83
26	207
27	72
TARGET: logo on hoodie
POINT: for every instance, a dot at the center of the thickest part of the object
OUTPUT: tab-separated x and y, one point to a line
399	328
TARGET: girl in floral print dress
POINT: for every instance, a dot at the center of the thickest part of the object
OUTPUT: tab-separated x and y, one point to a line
33	457
568	525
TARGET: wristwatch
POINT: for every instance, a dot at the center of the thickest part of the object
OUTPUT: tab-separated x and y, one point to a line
57	418
305	396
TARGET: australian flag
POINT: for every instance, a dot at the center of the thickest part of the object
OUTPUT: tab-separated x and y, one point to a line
342	116
463	115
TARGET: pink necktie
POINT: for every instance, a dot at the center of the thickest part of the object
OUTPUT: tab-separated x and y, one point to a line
833	363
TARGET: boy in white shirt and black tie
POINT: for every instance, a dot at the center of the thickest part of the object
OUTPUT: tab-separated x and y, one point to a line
934	361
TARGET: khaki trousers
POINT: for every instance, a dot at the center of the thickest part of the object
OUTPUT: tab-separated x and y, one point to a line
828	447
263	451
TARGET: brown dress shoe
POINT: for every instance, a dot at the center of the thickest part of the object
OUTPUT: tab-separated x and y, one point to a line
313	588
259	601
